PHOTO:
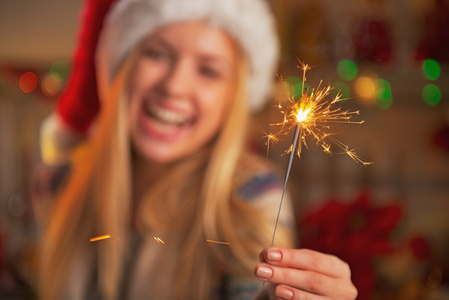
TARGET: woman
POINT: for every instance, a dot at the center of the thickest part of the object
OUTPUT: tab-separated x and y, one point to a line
165	172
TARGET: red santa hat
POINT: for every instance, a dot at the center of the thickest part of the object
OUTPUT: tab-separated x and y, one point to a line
78	105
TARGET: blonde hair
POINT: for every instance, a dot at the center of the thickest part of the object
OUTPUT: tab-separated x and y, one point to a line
203	202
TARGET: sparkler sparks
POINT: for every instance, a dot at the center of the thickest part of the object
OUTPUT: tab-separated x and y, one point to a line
100	237
217	242
310	116
159	240
314	113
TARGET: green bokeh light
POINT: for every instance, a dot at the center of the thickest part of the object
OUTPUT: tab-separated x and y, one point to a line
431	94
347	70
297	89
292	80
61	68
384	103
384	95
431	69
340	88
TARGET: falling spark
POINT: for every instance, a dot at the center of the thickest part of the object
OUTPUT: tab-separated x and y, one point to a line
159	240
310	116
271	139
100	237
216	242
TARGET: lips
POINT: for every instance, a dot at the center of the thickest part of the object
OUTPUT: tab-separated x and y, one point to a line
164	122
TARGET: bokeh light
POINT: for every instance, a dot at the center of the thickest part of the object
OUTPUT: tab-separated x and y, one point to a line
298	89
292	80
347	70
61	68
431	94
431	69
28	82
384	94
51	84
365	87
341	88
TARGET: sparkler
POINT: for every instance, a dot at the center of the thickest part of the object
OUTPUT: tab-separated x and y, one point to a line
310	116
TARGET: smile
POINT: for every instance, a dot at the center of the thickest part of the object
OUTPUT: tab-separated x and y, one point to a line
165	123
169	117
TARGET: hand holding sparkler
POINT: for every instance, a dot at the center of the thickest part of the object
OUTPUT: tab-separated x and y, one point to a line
302	273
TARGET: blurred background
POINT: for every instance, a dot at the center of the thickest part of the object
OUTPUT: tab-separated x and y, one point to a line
389	58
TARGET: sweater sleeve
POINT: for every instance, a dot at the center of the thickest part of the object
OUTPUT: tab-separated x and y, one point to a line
264	190
45	183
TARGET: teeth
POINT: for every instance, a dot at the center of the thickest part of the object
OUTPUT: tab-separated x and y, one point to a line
166	115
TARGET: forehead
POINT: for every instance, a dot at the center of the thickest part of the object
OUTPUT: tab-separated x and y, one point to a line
194	35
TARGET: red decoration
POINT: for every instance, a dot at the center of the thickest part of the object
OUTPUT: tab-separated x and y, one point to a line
373	41
420	247
435	41
356	232
441	138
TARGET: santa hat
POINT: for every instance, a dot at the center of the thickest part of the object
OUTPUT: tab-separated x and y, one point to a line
249	22
78	105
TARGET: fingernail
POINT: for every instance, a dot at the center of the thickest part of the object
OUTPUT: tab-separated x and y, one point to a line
264	272
274	255
283	293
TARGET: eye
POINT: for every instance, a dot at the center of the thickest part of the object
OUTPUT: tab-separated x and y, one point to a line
155	53
209	72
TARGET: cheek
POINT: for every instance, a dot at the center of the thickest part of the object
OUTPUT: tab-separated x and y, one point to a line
216	112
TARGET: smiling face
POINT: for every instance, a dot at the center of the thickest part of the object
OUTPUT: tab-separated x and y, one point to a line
180	90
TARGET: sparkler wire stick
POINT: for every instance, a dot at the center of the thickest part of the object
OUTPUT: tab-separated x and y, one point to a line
287	174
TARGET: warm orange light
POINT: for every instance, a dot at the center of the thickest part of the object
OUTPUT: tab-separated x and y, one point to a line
28	82
100	237
302	114
365	87
51	84
217	242
313	113
159	240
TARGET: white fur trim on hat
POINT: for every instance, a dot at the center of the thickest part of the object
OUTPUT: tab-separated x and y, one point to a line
250	22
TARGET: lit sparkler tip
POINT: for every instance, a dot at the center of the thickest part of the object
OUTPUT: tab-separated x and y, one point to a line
302	114
99	238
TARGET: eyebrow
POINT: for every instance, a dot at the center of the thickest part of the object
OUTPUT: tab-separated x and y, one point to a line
219	60
204	57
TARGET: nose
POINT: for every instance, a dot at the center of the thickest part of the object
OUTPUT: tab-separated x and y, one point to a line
178	80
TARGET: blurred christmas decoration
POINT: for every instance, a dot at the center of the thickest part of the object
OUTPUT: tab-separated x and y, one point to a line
42	82
435	40
373	42
356	232
441	138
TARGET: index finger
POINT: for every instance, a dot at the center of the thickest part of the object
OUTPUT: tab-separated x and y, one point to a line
306	259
